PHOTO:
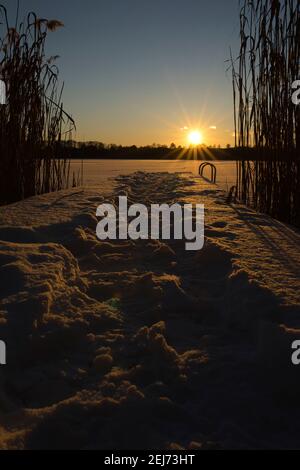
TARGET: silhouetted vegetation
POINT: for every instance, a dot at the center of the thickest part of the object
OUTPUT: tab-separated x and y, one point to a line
98	150
265	116
32	122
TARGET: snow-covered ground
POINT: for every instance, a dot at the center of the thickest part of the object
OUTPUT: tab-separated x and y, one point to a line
128	345
95	171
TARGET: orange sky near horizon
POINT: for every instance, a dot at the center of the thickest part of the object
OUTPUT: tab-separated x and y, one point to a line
139	72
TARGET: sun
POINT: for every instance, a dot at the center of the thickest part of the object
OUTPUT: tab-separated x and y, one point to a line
195	137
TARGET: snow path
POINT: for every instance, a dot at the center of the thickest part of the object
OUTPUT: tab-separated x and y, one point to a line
269	249
142	344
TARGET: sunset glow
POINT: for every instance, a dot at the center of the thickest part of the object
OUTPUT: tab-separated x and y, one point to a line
195	137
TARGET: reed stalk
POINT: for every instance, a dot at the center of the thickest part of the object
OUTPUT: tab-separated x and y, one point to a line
265	116
33	123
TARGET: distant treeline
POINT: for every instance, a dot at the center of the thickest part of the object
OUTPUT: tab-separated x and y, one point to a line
98	150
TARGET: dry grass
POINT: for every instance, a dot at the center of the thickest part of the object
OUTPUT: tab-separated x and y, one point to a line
33	123
265	116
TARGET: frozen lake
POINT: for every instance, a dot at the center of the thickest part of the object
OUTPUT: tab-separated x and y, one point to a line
97	171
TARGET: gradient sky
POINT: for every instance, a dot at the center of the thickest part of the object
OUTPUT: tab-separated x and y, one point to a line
139	71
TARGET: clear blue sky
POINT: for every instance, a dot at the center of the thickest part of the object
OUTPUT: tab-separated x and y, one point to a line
139	71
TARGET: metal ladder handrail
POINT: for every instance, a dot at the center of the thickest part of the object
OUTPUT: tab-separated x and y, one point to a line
213	171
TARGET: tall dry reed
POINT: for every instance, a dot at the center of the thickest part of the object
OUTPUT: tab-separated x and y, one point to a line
33	123
265	117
